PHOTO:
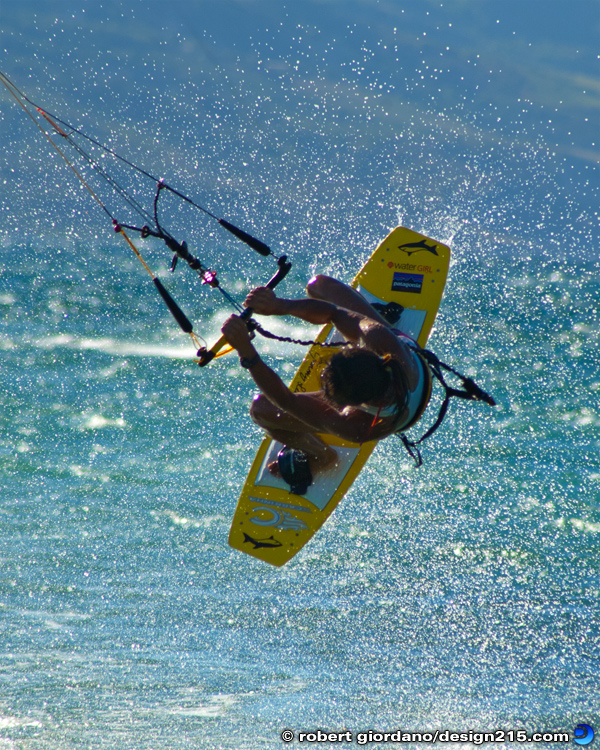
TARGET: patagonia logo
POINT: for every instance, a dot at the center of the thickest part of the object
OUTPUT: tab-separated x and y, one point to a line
407	282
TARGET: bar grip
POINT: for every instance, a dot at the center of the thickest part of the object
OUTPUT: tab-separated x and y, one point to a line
251	241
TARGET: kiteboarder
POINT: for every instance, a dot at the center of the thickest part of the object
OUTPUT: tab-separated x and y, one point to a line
377	386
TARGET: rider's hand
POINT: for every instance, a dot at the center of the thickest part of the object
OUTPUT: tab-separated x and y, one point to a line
263	301
236	332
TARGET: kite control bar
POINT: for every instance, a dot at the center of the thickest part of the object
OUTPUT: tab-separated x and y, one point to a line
72	136
207	355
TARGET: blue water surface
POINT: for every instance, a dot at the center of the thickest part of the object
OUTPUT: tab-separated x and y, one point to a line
462	595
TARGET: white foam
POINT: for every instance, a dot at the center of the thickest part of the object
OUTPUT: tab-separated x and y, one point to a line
10	722
214	707
120	347
98	422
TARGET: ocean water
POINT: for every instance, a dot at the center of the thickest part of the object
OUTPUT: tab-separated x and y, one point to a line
463	595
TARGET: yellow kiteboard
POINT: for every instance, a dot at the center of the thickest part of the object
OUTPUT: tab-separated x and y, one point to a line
270	522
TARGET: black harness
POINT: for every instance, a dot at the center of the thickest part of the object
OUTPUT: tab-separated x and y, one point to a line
470	391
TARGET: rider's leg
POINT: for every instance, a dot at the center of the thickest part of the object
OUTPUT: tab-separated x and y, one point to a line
331	290
292	432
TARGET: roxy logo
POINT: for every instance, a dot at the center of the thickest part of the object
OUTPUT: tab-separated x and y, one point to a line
280	519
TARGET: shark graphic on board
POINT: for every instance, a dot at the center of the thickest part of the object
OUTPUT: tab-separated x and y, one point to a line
414	247
268	543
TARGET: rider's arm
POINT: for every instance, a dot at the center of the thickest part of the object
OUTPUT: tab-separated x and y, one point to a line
318	312
317	415
354	327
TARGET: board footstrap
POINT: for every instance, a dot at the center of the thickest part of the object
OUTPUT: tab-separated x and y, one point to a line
295	469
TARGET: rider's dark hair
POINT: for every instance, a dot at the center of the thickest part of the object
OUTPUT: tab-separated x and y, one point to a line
356	376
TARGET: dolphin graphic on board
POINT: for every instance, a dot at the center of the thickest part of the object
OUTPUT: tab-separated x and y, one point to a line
413	247
268	543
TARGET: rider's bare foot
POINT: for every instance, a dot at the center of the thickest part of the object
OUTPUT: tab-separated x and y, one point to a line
324	463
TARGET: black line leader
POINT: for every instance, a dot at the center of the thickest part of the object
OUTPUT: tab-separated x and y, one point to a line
207	276
179	249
